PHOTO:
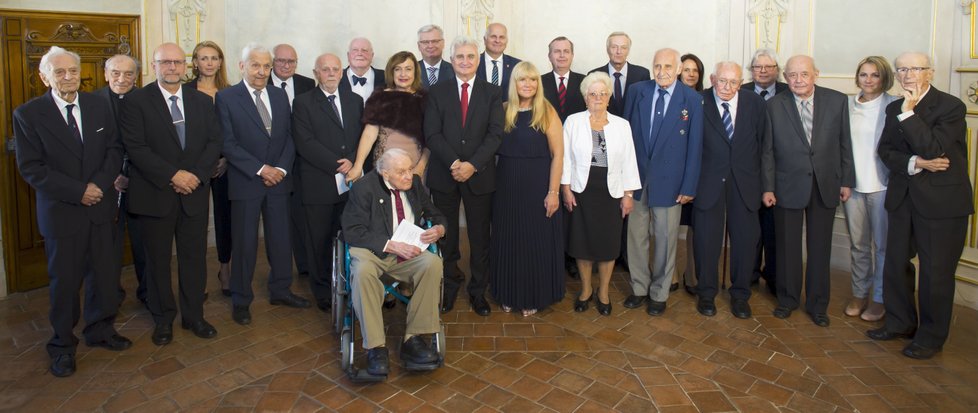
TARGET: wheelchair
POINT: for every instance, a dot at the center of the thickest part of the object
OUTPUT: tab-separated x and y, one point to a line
344	318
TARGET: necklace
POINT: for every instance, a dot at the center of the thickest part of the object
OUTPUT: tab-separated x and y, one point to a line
524	109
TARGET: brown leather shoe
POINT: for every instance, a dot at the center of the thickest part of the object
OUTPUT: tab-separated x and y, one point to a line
874	312
856	306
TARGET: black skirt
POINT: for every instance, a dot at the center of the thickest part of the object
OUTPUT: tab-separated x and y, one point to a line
595	223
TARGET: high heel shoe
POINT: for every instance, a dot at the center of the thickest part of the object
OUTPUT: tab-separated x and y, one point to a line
603	308
580	305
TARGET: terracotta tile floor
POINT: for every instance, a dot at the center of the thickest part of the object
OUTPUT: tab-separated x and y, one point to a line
557	360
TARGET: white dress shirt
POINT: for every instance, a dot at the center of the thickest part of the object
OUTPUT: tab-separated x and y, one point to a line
75	112
732	104
289	86
336	100
624	76
499	62
364	90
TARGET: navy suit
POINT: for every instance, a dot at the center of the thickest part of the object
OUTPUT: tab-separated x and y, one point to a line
247	147
78	239
505	71
445	74
729	190
635	74
300	85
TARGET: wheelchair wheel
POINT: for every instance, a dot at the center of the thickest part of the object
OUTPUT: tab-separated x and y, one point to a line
338	311
346	349
439	342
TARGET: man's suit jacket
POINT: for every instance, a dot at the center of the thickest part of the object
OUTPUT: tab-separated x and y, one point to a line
346	84
738	158
636	74
155	154
779	87
368	220
59	167
506	71
936	129
669	162
476	142
321	140
112	99
302	84
445	73
247	146
790	160
573	101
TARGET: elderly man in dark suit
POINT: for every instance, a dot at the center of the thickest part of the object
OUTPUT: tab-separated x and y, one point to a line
808	170
666	117
729	189
326	127
928	199
68	151
257	128
120	74
562	87
360	77
495	66
463	125
764	72
624	74
432	68
173	141
380	202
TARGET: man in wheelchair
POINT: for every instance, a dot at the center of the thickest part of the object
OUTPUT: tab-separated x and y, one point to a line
378	203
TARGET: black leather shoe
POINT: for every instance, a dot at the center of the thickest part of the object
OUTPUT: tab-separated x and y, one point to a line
740	308
163	334
820	319
690	290
290	300
63	365
241	315
656	308
882	334
919	352
479	305
634	301
201	328
377	361
580	305
114	342
706	306
673	287
448	301
417	355
226	293
782	312
390	302
325	305
603	308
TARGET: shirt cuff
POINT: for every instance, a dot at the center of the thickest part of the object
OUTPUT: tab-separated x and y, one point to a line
259	170
284	172
912	168
905	115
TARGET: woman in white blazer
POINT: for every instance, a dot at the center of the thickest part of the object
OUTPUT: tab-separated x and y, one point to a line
865	215
599	174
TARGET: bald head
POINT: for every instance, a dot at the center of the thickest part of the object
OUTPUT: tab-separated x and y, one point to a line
914	71
328	71
801	74
360	55
284	61
496	39
665	67
170	65
726	80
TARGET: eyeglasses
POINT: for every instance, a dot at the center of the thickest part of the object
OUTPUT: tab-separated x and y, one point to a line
914	70
594	95
286	62
170	62
762	68
727	82
430	42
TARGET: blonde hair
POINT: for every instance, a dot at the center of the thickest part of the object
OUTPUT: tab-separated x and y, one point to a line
540	107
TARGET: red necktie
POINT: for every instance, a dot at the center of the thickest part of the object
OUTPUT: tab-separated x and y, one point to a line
465	101
562	94
399	206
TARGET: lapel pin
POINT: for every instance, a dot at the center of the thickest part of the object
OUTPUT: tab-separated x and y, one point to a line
682	131
685	115
382	200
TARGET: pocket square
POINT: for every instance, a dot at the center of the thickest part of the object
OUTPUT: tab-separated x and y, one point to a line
99	130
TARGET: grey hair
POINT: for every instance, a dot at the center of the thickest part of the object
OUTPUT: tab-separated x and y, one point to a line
463	40
764	52
115	60
607	42
46	67
925	55
383	163
253	47
430	28
601	76
673	51
728	63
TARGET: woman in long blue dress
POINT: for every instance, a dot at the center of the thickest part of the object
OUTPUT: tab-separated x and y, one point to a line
526	260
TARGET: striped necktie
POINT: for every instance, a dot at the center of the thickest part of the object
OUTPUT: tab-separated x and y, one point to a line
562	94
727	120
806	119
495	73
432	75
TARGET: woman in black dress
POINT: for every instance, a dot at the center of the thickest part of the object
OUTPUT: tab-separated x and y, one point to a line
600	173
691	75
526	254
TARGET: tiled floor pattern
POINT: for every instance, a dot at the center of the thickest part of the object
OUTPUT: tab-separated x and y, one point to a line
557	360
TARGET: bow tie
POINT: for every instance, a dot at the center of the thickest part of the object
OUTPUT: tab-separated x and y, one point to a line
357	80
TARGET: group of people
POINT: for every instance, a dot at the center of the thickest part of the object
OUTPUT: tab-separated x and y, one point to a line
550	167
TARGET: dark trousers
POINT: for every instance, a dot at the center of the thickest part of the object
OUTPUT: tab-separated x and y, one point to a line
818	219
324	223
274	211
743	228
766	248
87	255
938	244
300	230
478	214
126	223
190	232
222	218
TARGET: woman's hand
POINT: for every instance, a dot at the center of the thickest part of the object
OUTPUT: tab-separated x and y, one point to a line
569	201
627	203
551	203
354	173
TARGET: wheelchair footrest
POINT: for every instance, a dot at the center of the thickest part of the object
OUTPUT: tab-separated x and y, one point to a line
362	376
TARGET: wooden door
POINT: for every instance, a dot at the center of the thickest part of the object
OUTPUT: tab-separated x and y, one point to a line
25	37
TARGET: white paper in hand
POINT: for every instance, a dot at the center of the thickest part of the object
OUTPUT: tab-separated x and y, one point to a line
409	233
341	185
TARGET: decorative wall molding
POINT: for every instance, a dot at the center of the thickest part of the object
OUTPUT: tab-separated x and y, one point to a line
966	6
476	16
187	15
767	16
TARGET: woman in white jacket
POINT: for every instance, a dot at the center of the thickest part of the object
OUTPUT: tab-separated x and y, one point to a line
599	174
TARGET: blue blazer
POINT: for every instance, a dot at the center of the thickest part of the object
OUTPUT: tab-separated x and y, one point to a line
247	146
509	62
671	160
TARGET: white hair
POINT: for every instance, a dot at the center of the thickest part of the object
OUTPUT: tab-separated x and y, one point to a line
463	40
384	162
726	63
115	60
429	28
764	52
253	47
46	67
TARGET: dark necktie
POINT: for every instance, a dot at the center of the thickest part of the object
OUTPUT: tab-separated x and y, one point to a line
284	84
618	89
399	206
562	94
465	101
357	80
495	73
336	109
73	124
764	94
657	117
727	121
178	122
